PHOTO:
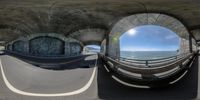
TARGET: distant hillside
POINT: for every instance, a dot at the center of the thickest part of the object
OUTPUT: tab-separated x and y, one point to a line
91	49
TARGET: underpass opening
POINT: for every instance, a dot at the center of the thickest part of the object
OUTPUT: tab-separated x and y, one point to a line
136	70
149	42
91	49
2	48
139	20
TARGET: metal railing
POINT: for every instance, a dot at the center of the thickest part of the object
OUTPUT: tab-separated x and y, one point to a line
114	64
151	76
150	70
152	62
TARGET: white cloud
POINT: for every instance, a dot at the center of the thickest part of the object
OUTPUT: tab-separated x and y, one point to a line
170	36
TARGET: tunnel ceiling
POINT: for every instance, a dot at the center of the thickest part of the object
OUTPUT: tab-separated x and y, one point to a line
89	36
24	17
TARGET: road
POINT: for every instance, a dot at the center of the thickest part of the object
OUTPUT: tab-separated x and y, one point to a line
20	80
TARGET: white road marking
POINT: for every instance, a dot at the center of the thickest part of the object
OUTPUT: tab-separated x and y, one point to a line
128	84
15	90
182	74
179	78
198	91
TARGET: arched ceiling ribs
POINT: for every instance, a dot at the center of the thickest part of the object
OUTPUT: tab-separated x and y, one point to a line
75	29
18	26
40	19
71	21
19	18
195	31
8	35
13	28
194	27
196	34
92	43
65	17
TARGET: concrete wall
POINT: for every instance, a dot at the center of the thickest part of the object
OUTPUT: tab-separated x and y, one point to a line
133	21
46	44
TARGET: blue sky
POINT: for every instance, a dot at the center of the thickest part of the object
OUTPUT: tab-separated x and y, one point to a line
149	38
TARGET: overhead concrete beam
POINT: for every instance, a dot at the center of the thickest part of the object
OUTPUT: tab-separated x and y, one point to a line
89	36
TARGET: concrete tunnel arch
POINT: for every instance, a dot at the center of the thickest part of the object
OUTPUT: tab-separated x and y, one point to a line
140	19
91	36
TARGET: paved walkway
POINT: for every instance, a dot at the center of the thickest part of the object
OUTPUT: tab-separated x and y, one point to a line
23	77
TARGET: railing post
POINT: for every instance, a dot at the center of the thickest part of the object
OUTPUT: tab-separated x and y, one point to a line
190	43
181	65
146	62
107	44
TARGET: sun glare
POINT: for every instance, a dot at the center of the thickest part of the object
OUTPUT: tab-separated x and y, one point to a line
132	32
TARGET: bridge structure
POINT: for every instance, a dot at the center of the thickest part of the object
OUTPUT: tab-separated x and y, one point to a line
44	40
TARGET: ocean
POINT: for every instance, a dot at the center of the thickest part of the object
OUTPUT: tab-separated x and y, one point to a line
146	55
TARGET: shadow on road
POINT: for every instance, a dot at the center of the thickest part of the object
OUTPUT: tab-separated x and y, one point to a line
59	63
185	89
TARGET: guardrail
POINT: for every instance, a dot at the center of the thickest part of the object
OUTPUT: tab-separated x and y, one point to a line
148	70
152	62
151	76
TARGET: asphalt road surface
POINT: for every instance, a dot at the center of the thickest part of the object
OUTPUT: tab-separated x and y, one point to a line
78	80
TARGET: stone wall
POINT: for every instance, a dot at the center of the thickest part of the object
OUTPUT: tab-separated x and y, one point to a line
20	47
46	44
75	48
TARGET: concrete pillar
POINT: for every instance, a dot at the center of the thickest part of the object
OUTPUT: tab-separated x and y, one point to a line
10	47
67	49
26	47
6	47
81	49
190	43
118	49
107	44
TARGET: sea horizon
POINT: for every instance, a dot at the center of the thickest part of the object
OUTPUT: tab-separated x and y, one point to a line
144	55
